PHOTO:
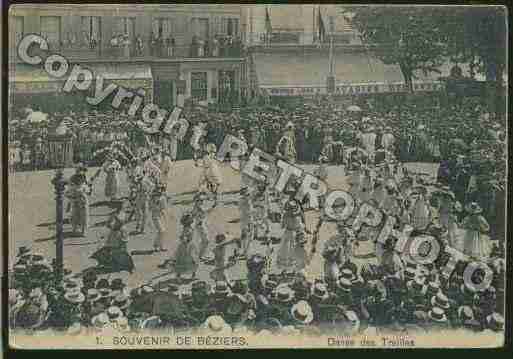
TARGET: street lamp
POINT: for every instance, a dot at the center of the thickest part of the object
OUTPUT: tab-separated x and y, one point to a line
60	146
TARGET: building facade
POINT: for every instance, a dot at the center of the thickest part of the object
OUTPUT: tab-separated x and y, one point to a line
172	52
298	24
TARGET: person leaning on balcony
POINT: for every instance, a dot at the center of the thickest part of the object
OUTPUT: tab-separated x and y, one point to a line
126	46
114	44
171	46
200	48
215	46
194	46
153	43
93	42
139	46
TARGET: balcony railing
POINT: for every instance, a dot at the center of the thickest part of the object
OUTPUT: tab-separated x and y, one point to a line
133	51
283	37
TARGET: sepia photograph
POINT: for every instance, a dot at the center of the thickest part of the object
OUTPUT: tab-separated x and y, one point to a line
199	176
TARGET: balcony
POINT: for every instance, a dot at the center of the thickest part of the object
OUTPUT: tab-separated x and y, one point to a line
146	52
299	37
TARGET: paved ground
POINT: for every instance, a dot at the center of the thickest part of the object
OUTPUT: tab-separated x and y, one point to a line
32	219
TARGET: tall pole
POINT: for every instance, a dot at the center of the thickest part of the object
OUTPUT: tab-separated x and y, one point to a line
59	185
330	81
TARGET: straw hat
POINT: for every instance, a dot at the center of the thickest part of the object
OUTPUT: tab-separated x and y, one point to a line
284	294
100	321
93	295
320	291
114	312
216	323
74	296
440	300
302	312
437	314
344	285
465	312
221	287
495	322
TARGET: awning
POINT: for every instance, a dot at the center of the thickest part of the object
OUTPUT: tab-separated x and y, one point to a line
34	79
311	70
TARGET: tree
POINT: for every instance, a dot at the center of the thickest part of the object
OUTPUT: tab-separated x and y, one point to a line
406	36
477	35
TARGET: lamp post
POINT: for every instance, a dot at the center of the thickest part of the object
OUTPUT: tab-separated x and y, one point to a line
60	145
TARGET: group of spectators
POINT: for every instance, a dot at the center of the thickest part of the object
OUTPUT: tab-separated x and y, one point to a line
366	299
123	45
373	300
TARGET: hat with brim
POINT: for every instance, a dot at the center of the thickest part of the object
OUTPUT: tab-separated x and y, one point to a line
121	301
100	321
284	293
302	312
348	274
74	296
221	287
465	312
344	285
93	295
105	292
440	300
495	322
216	323
437	314
71	284
320	291
473	208
114	312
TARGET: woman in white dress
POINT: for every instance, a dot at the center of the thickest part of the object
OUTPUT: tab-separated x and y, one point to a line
210	178
292	253
421	214
475	243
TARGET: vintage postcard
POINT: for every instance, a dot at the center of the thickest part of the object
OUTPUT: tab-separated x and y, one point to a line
256	176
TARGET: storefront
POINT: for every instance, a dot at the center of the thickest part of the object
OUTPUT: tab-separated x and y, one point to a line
356	74
210	82
32	86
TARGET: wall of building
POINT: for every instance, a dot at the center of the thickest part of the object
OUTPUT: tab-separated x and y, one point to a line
181	17
170	70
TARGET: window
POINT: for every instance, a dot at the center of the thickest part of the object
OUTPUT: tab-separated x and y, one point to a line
125	25
230	26
200	28
91	30
16	29
199	86
162	27
51	30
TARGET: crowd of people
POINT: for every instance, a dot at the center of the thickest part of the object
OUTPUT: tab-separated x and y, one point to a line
461	207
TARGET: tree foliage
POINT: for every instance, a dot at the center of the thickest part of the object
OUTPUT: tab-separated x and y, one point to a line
422	38
477	35
407	36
